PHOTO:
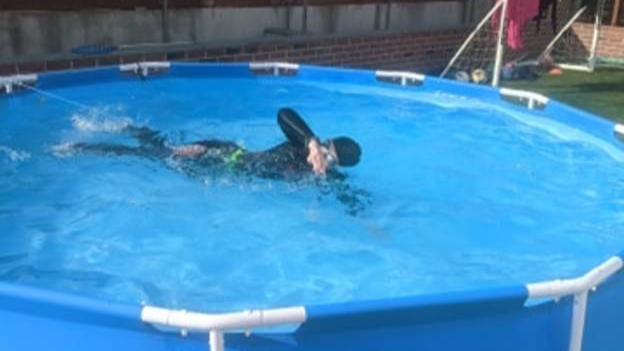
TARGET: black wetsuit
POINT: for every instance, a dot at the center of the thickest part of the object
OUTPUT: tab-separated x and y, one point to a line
286	161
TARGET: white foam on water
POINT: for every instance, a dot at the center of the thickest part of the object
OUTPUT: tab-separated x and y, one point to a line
565	132
14	155
99	124
63	150
437	98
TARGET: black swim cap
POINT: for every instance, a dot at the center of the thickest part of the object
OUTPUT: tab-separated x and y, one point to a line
347	150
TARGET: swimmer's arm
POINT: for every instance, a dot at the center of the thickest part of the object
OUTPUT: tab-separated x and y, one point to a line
192	150
294	127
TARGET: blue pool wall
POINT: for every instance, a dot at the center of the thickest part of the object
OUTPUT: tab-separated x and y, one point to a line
33	319
486	319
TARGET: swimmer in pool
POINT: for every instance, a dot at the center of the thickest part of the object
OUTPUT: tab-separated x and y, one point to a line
303	156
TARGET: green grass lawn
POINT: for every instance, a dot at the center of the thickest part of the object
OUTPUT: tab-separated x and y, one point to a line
600	92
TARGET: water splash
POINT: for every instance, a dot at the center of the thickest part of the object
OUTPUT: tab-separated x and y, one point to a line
63	150
564	132
14	155
96	123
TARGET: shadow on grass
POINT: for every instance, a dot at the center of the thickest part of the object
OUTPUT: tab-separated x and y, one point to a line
591	88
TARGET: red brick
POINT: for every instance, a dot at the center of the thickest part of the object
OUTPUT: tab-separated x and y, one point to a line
316	44
83	62
58	65
244	57
133	58
252	49
109	60
31	67
155	56
260	57
277	55
267	48
282	47
215	52
7	69
176	56
195	54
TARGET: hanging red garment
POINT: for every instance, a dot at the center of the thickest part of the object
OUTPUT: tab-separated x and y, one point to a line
518	13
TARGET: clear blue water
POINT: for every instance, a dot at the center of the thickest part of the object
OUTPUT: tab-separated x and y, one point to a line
463	195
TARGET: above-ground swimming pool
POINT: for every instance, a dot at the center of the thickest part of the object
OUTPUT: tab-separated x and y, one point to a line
464	197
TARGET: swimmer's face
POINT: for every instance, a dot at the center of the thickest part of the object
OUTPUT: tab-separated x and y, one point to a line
321	157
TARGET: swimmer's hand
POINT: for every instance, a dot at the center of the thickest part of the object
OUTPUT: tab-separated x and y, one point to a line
316	157
192	150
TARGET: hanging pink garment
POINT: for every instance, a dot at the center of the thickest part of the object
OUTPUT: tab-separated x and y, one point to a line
518	13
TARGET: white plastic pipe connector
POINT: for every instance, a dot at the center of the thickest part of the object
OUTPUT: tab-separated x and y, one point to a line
274	65
559	288
217	324
223	322
9	82
530	96
619	129
403	76
138	66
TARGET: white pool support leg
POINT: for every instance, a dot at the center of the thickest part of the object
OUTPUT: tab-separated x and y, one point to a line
579	287
216	341
578	321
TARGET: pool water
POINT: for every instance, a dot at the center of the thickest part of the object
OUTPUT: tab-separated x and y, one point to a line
459	194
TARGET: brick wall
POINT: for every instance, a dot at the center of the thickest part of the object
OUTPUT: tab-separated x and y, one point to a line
422	52
611	44
426	52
